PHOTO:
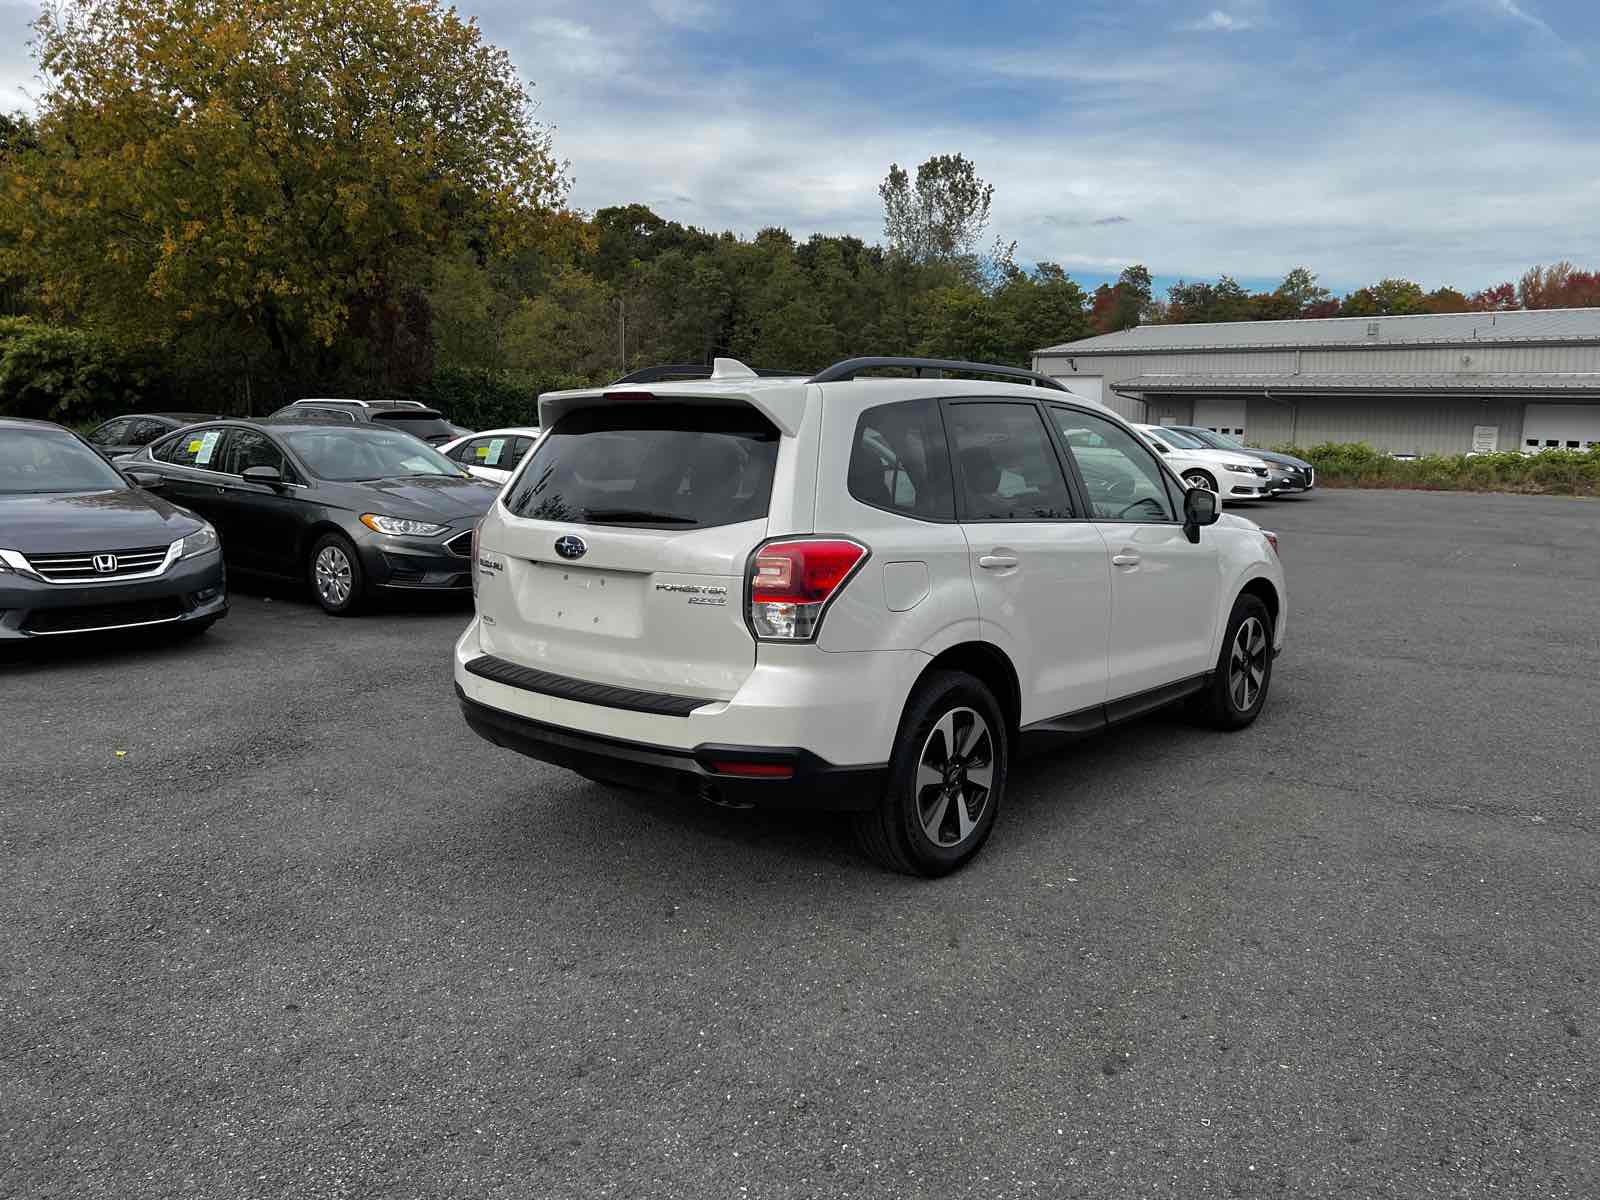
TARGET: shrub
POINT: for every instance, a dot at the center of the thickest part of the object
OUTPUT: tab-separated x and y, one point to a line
59	373
483	399
1356	464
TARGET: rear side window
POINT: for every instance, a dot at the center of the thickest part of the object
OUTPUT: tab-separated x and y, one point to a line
193	448
900	462
1009	470
665	466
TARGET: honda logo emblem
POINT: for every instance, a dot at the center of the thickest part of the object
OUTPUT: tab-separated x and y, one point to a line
105	564
571	547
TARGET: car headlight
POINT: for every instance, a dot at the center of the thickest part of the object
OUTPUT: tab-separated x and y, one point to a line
401	526
202	541
1238	470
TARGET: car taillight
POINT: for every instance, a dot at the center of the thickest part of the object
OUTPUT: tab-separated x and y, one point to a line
475	528
1272	539
793	581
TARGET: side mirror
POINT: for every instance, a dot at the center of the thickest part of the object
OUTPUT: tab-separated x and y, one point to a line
148	480
1161	447
270	476
1199	508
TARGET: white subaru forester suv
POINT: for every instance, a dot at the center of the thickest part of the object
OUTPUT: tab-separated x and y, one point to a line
859	594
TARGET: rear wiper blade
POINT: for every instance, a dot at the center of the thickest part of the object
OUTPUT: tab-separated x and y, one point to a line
636	514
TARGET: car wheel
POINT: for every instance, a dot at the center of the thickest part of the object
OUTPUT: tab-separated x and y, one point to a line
1200	479
1238	688
336	577
947	777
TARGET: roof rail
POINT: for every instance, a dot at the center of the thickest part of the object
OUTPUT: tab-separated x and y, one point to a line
665	371
851	367
332	400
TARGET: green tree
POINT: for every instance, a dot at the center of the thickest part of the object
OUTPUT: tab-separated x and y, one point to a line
942	215
270	173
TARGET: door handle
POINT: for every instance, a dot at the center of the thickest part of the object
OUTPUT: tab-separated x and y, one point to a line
995	562
1126	559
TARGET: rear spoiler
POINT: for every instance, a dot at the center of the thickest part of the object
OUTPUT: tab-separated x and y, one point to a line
783	403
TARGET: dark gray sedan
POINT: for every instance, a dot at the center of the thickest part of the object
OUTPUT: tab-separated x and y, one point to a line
352	509
84	549
1289	474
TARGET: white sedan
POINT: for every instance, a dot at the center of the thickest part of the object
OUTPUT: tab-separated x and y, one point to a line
1233	474
492	454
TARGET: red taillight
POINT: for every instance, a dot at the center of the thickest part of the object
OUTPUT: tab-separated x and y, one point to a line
1272	539
754	770
792	582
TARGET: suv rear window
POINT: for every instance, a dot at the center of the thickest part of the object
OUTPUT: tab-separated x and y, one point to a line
664	466
418	422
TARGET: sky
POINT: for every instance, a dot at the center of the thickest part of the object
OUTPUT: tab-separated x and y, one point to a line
1447	141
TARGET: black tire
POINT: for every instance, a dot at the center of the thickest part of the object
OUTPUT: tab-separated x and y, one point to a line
337	601
894	833
1198	478
1225	704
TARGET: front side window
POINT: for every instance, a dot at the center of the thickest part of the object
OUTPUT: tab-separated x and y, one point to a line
250	448
499	452
652	465
1120	475
900	461
355	455
34	461
202	448
1008	469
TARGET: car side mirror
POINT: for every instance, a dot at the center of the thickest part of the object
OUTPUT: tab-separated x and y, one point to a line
270	476
1199	508
148	480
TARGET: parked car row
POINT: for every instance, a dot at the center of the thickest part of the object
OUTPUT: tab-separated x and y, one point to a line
1222	463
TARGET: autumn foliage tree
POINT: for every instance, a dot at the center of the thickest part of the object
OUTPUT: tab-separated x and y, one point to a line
267	175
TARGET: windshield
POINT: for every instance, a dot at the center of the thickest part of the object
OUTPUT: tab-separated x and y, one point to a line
352	455
48	460
1181	440
665	465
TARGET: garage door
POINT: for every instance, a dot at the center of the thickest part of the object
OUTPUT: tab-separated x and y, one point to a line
1561	426
1224	414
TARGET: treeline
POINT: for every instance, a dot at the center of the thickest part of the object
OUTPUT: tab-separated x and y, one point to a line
362	205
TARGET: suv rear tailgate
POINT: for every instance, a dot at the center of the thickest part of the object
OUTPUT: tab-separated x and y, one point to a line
660	610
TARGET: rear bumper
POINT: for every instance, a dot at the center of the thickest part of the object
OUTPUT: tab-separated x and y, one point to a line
191	590
814	783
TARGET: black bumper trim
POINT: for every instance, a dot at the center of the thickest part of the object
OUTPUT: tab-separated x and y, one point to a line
815	784
660	704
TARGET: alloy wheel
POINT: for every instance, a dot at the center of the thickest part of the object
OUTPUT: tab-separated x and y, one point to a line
954	777
333	576
1247	664
1195	479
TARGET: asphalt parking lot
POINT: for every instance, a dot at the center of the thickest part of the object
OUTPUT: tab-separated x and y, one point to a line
275	924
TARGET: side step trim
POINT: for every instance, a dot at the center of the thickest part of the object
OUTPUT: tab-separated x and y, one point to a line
1069	726
604	695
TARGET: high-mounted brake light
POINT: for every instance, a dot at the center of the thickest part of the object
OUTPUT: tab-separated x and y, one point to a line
625	397
793	581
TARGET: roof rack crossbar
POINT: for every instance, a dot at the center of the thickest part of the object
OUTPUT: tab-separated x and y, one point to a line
665	371
851	367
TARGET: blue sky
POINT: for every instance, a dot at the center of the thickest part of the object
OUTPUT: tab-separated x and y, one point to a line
1451	141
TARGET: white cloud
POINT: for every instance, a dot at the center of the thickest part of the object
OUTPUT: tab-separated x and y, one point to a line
1220	21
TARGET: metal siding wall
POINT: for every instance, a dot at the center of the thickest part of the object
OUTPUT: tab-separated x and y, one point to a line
1416	425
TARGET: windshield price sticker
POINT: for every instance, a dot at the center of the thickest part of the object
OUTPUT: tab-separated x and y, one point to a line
496	448
204	446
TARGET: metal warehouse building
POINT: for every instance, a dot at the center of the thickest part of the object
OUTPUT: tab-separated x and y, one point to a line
1444	384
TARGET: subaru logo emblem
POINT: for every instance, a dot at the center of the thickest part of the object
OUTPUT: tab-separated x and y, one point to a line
105	564
571	547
